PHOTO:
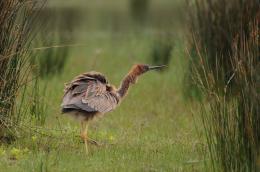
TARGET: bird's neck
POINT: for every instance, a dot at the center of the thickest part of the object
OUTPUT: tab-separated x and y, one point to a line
128	80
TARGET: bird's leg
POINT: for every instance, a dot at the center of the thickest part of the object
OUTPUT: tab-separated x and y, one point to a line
84	134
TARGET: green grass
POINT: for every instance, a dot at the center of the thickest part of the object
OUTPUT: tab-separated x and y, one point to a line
152	130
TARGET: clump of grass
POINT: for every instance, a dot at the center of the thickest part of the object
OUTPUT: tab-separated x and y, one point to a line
50	61
161	50
16	32
225	67
37	105
215	25
139	9
231	121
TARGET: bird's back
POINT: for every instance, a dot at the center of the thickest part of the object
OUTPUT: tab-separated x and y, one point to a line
88	95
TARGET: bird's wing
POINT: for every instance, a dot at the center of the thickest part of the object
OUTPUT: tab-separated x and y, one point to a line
88	94
74	93
101	101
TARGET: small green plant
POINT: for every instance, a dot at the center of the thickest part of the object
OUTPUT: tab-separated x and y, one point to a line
37	105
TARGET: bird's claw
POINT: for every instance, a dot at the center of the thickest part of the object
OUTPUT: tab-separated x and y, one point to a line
94	142
91	141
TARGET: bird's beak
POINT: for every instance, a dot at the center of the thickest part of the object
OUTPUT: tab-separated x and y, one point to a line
156	67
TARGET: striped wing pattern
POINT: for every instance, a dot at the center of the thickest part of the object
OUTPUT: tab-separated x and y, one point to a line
89	94
103	103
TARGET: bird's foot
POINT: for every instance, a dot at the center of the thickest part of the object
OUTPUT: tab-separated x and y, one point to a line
94	142
89	140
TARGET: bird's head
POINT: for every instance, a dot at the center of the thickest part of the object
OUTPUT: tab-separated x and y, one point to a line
132	76
140	69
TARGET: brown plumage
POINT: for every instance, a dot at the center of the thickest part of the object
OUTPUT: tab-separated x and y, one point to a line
90	95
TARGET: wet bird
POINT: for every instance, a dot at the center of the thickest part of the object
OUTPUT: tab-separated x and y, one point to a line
89	95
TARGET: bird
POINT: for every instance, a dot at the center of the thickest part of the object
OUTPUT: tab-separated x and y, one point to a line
90	95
